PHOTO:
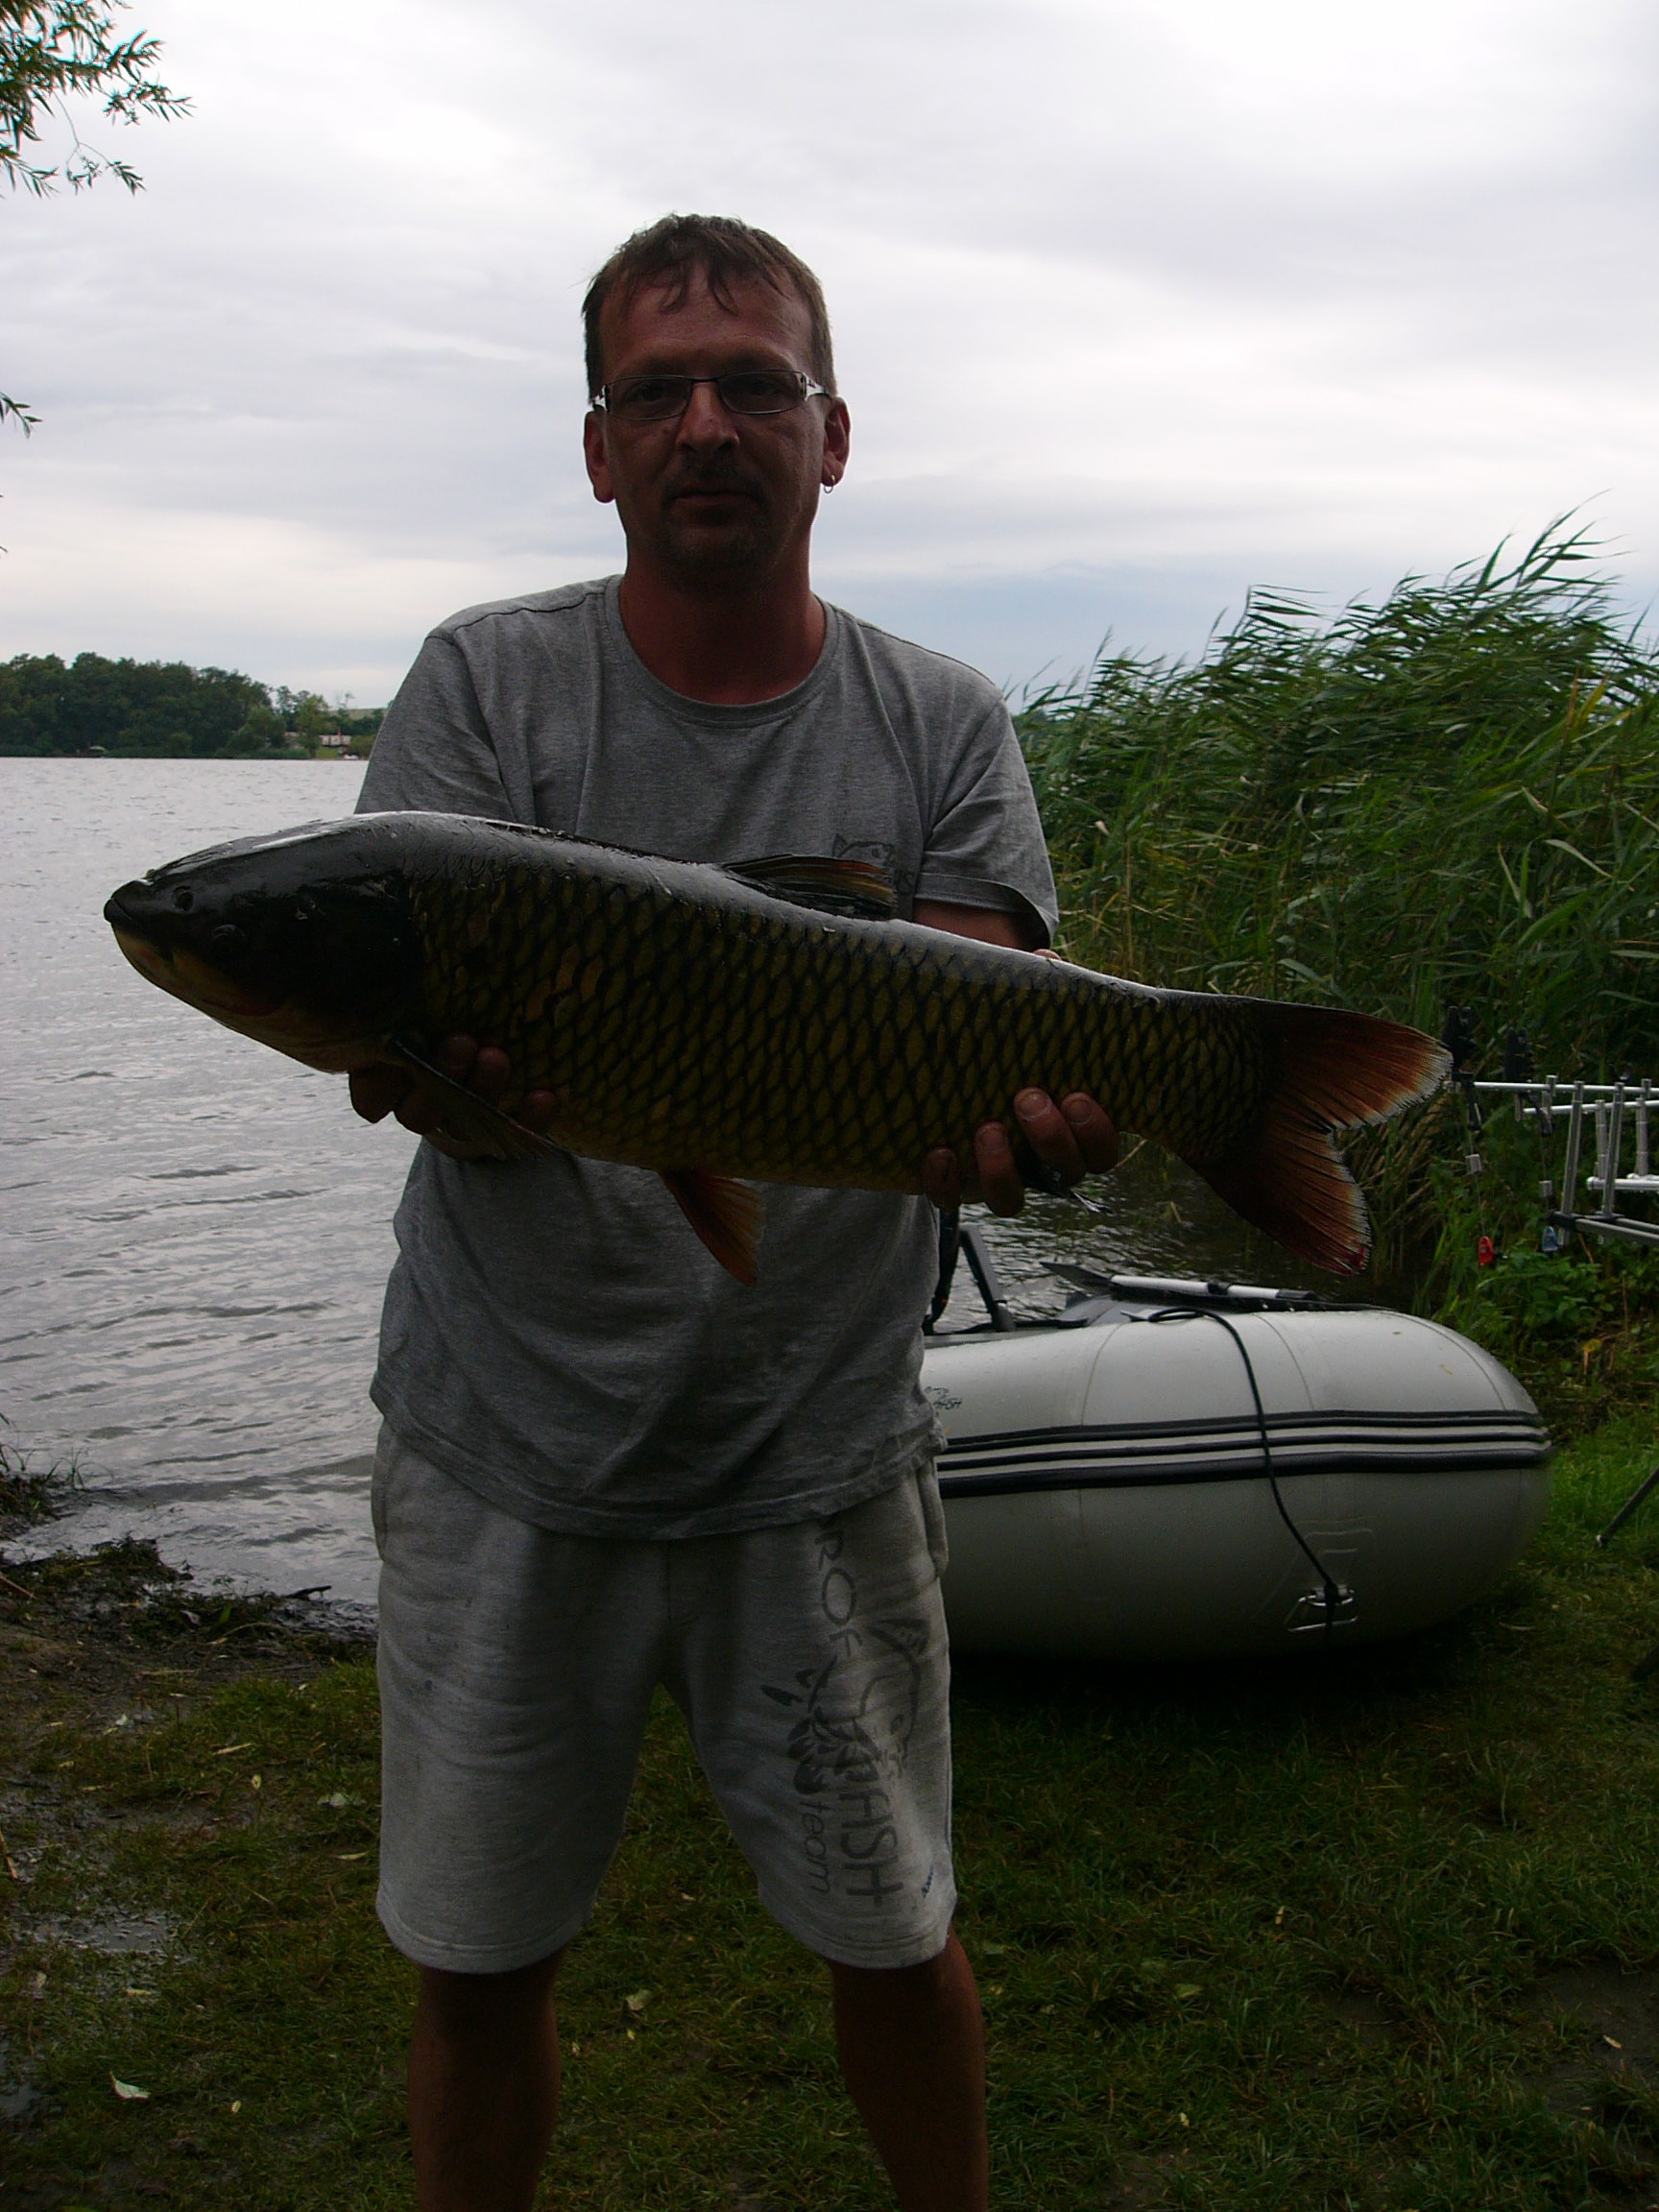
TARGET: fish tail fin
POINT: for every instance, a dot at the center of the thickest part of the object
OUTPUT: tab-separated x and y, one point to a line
1332	1070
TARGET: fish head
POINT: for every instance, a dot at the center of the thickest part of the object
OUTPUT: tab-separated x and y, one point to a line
302	940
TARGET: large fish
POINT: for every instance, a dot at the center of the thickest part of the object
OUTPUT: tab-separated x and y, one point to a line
769	1021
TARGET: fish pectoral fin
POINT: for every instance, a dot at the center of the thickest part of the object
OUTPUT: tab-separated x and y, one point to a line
727	1216
471	1119
854	888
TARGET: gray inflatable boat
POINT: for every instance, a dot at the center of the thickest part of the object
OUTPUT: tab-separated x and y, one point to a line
1175	1469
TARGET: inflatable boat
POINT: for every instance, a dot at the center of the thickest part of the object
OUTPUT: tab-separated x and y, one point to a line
1183	1470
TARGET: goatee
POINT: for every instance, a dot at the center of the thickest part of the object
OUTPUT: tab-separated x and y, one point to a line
742	544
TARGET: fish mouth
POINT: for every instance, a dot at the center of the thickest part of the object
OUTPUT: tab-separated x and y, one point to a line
172	969
333	1047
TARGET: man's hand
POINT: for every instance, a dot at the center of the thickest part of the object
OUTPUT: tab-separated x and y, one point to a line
376	1092
1076	1137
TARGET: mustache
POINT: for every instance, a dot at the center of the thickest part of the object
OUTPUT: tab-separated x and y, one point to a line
714	481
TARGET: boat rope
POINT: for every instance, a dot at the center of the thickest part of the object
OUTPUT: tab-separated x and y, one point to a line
1336	1597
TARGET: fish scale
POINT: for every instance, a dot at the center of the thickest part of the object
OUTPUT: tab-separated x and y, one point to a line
771	989
687	1018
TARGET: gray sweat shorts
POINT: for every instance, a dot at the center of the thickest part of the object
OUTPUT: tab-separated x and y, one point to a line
517	1669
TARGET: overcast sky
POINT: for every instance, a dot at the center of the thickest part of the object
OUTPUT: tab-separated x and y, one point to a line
1136	304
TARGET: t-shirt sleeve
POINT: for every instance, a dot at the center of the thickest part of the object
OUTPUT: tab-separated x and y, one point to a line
985	847
434	751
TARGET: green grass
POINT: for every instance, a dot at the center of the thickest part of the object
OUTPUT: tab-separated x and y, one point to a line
1249	1936
30	1491
1580	1328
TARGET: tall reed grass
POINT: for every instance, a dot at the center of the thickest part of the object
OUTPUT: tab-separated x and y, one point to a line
1448	795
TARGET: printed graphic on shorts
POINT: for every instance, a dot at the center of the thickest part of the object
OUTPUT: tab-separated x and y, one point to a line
855	1711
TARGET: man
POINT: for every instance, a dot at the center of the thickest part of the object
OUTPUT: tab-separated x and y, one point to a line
605	1464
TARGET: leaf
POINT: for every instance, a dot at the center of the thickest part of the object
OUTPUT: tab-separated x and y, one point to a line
128	2092
1520	897
1561	846
638	2000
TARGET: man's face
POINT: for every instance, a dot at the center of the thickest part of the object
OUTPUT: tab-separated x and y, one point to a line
713	498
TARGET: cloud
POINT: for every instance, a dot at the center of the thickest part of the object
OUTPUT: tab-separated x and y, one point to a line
1136	303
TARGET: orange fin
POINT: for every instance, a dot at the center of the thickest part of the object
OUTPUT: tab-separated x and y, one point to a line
728	1216
833	886
1335	1069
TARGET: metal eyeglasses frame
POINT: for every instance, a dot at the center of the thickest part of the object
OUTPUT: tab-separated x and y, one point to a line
807	388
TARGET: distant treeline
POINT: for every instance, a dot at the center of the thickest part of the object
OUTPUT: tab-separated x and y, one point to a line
165	711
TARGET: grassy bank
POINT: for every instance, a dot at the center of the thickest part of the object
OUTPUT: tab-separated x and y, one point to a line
1379	1933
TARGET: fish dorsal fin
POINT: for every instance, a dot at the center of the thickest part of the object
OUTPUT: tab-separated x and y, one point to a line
854	887
472	1120
727	1215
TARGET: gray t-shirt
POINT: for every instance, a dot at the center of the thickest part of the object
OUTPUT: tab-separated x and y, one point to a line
555	1335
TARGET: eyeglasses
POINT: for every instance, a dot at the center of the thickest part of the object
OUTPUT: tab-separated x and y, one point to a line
740	391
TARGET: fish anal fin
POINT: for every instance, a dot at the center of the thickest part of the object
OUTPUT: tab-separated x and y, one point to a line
727	1215
854	888
1331	1070
471	1119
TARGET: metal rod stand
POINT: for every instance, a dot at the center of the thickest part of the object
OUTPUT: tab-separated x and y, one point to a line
1598	1225
1642	1489
985	1275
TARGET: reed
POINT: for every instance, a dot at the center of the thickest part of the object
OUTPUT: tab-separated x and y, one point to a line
1450	794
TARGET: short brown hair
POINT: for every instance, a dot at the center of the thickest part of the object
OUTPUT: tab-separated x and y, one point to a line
726	252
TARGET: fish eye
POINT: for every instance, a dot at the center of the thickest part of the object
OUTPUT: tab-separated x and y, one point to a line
184	899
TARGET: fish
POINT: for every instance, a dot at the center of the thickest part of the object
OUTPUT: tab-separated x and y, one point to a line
762	1022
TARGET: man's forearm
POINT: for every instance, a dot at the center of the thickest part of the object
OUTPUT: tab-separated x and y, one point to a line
990	925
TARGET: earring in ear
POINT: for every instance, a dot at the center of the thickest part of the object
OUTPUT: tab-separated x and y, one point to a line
828	486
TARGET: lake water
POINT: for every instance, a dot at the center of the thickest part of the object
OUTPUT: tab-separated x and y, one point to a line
195	1231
